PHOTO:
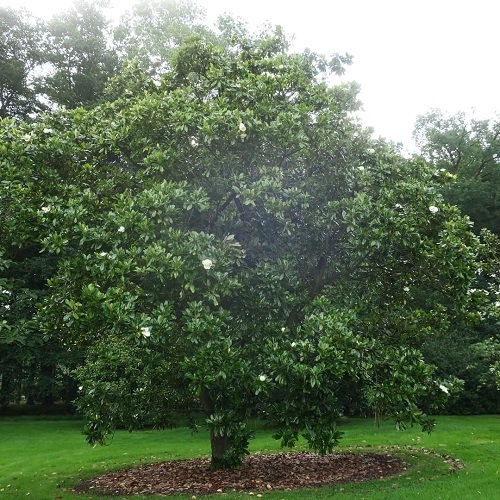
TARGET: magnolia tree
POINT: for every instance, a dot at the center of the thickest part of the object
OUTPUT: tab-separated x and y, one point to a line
231	239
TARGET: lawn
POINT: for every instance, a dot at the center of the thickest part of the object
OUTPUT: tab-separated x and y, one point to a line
44	458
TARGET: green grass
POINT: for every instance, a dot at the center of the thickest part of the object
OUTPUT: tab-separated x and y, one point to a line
43	458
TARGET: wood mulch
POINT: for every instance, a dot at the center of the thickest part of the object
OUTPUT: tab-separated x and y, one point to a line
260	473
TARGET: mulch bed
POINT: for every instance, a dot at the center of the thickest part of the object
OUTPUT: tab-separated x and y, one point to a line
260	473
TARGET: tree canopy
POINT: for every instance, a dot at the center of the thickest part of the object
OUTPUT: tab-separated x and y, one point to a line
227	238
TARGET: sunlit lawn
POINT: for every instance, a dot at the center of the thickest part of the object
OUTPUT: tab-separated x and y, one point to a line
45	458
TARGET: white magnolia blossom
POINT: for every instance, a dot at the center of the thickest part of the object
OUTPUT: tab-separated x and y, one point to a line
46	209
398	205
433	209
283	329
406	289
370	151
103	254
294	344
27	137
121	229
194	142
207	263
47	130
444	388
242	128
262	378
146	331
361	169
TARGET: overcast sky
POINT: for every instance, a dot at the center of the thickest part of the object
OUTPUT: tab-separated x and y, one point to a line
409	55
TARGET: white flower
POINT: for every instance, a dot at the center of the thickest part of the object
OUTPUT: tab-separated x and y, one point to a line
444	388
433	209
146	331
103	254
398	205
207	263
157	83
121	229
294	344
45	209
283	329
80	388
262	378
281	66
361	169
242	128
47	130
406	289
194	142
370	151
27	137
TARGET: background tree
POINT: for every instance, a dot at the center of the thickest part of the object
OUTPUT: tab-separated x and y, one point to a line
469	149
21	54
79	54
33	364
151	33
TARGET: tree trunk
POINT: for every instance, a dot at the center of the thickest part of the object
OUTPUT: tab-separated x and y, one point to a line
220	445
5	385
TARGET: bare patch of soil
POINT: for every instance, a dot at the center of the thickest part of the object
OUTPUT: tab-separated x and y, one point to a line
282	471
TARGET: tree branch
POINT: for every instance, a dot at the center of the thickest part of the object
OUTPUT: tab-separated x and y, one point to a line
219	210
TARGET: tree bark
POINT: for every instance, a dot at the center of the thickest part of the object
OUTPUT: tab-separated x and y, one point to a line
218	444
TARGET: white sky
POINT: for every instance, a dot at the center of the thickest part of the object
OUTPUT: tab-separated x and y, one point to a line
409	55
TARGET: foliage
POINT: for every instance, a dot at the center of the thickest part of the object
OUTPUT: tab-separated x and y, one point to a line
233	221
78	53
150	34
470	149
20	56
226	236
33	364
467	151
464	355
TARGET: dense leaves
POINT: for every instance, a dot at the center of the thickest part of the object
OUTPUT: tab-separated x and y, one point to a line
467	151
222	235
79	58
20	56
233	220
